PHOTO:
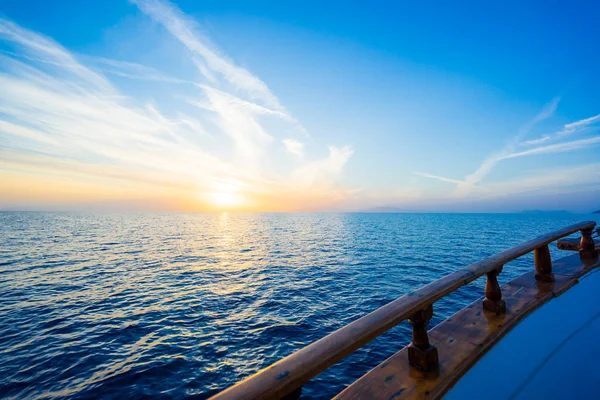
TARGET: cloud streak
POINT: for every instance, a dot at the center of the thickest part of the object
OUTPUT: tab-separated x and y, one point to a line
556	148
187	31
568	129
551	179
489	163
133	70
293	146
469	183
549	149
67	121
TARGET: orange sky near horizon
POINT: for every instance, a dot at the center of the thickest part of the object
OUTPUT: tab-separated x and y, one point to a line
56	192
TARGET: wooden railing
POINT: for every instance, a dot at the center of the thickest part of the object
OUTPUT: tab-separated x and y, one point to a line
285	378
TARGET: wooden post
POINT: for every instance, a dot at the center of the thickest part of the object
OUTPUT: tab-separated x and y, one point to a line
421	353
543	264
587	246
493	295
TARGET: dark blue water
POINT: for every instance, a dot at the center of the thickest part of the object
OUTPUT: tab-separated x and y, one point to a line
175	305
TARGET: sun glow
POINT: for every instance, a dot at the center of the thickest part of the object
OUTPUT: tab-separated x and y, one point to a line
227	195
226	199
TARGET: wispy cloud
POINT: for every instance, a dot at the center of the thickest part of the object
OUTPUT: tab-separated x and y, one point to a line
133	70
531	190
294	146
550	179
489	163
584	122
469	183
459	183
556	148
568	129
554	177
187	31
67	120
48	51
323	171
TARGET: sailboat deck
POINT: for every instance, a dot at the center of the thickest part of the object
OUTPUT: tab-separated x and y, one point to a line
465	337
556	344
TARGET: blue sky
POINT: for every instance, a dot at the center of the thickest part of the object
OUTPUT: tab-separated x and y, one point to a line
464	106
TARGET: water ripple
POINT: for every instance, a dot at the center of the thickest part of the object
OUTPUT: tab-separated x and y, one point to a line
177	305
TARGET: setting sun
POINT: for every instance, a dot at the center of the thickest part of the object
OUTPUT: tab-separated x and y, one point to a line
226	199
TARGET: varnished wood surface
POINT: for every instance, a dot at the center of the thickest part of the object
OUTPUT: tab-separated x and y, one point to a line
462	339
573	244
293	371
493	293
543	264
421	353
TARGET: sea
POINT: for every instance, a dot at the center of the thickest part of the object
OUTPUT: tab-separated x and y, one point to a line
175	305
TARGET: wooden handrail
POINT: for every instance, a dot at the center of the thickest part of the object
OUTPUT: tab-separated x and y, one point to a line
290	373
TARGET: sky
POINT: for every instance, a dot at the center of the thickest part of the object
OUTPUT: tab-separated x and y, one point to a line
155	105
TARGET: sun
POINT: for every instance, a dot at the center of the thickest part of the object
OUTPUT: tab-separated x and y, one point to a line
226	195
226	200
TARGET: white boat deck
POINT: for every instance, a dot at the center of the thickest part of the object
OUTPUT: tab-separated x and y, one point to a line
552	354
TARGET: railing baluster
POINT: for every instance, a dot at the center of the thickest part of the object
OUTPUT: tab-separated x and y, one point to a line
421	353
543	264
493	294
587	246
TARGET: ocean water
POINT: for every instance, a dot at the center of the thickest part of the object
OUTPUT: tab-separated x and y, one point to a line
176	305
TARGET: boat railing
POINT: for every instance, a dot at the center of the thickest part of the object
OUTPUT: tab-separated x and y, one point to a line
284	379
